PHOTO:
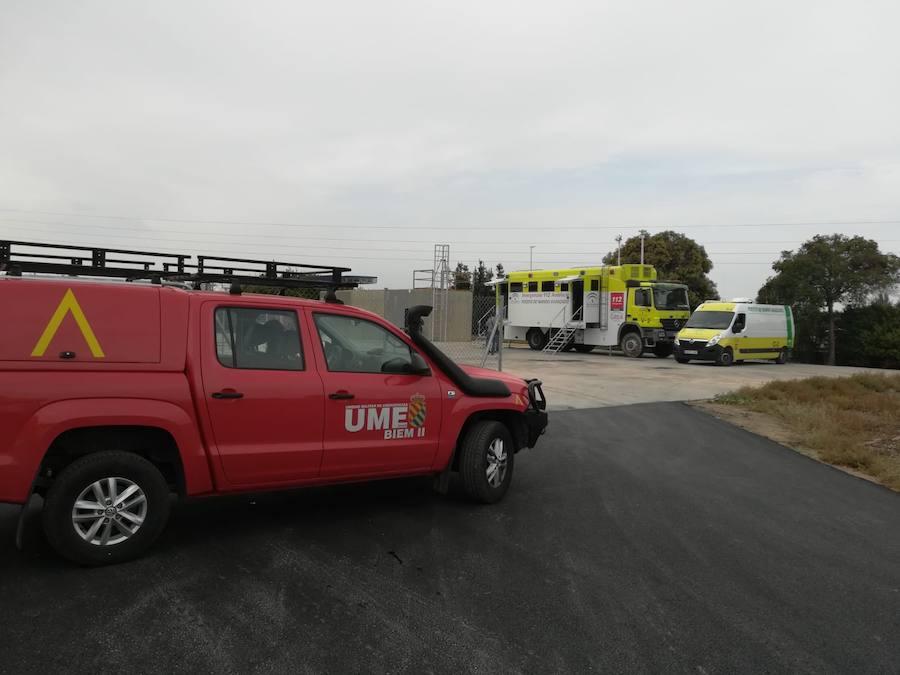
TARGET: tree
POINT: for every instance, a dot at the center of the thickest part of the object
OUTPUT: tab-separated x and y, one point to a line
870	335
461	279
480	277
829	270
676	257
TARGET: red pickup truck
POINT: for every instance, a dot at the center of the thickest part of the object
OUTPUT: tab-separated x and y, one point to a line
115	395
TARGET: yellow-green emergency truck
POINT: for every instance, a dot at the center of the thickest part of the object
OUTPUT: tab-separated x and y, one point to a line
726	332
620	306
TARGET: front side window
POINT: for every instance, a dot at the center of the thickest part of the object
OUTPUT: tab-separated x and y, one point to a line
642	297
263	339
353	345
716	320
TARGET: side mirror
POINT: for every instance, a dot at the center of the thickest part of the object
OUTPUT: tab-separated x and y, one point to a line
415	366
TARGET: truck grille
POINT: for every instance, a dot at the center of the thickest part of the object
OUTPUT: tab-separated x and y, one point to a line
693	344
672	324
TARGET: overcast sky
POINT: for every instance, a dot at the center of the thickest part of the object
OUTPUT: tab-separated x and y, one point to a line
362	133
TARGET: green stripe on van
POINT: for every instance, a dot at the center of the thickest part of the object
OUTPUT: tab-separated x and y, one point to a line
790	326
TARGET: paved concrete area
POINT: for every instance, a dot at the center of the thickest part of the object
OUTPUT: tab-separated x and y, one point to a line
598	379
648	538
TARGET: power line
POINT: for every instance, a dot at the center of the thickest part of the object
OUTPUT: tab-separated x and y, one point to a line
251	223
117	230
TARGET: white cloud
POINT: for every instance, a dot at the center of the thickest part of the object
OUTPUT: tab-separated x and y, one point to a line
495	115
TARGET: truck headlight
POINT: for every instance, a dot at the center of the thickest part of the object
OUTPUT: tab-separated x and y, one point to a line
714	340
677	342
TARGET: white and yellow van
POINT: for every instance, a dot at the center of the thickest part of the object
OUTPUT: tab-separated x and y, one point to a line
726	332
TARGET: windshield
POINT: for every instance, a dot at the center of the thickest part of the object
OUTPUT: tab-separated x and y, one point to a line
670	298
719	320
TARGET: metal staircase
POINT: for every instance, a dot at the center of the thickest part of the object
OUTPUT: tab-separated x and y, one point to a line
562	337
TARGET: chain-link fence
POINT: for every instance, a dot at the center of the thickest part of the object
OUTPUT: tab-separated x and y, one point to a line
484	346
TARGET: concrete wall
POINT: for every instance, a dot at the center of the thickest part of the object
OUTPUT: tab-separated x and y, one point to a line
392	303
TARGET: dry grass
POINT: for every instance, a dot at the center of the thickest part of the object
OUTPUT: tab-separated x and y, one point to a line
852	422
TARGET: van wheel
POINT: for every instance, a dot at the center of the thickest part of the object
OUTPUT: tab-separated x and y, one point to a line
486	461
782	357
584	349
663	350
536	338
726	357
106	508
631	344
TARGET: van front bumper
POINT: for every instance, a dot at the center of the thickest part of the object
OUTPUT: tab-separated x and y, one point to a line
697	353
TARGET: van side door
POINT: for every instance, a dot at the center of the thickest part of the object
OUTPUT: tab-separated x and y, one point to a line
378	419
262	392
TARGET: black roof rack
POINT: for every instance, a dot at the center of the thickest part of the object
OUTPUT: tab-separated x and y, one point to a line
21	257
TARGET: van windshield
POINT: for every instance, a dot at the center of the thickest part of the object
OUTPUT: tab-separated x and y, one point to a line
670	298
719	320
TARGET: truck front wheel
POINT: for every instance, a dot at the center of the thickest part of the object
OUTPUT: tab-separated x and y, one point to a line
631	344
105	508
536	338
663	350
486	461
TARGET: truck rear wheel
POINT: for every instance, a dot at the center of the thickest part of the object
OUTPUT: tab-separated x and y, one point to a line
106	508
486	461
536	338
631	344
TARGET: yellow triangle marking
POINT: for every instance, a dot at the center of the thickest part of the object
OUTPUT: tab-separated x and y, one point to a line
66	305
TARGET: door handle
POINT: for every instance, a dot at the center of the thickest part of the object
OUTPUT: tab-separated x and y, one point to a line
227	394
340	396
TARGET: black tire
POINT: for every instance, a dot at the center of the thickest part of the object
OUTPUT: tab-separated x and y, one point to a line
681	359
663	350
79	476
782	357
725	358
536	338
631	344
584	349
474	461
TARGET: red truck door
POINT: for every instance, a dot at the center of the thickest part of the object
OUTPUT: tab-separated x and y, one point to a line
263	393
376	422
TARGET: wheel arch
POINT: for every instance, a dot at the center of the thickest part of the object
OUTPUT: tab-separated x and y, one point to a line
155	444
628	328
513	420
25	457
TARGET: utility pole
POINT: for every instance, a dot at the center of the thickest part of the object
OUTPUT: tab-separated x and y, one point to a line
530	258
619	251
642	247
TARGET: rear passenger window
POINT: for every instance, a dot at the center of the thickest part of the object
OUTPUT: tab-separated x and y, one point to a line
263	339
547	286
595	284
532	286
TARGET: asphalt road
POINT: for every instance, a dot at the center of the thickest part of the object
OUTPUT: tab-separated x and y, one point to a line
641	538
